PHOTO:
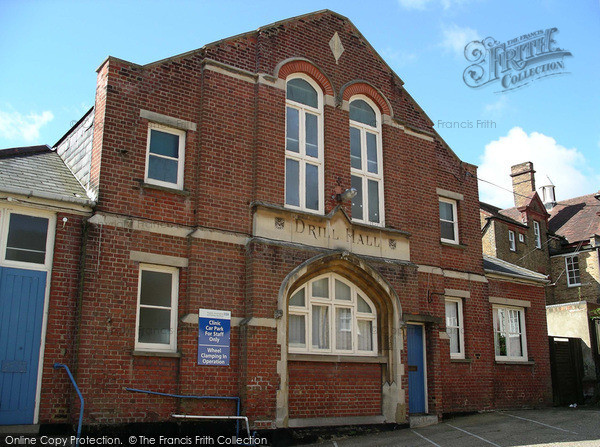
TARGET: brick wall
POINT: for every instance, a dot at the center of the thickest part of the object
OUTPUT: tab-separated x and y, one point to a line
589	290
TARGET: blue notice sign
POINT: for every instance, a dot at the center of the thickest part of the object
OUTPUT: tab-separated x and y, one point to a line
213	337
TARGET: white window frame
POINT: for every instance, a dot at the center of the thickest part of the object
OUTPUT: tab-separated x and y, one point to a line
301	156
4	228
364	174
180	160
332	304
508	357
461	328
512	243
159	347
521	238
572	265
454	204
537	234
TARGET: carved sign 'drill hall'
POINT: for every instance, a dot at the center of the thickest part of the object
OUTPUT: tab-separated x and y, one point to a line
333	231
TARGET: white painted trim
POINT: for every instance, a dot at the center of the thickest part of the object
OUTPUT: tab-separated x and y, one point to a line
521	310
333	304
180	158
512	242
454	204
152	258
167	120
537	234
157	347
461	328
301	156
364	173
50	238
571	256
449	194
509	302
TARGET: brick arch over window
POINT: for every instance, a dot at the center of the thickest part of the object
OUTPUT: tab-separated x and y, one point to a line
303	66
389	324
362	88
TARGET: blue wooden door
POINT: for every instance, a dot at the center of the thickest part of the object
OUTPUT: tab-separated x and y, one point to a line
416	369
21	311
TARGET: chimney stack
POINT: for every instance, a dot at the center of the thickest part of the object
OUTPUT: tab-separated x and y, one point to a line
523	180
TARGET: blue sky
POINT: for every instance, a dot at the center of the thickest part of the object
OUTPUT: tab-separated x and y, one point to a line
49	52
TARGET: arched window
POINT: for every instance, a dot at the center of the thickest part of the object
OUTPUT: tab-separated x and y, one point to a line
365	161
304	144
329	314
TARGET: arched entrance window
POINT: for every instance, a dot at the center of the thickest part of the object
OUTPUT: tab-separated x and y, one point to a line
330	315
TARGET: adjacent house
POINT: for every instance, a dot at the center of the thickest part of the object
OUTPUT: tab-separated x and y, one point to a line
275	220
559	239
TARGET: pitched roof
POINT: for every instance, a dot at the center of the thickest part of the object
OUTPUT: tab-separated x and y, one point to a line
495	265
498	213
38	171
576	219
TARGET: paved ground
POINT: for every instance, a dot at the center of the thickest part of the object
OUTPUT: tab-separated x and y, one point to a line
560	427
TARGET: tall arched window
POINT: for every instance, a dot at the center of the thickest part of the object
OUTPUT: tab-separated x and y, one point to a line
304	144
329	314
365	161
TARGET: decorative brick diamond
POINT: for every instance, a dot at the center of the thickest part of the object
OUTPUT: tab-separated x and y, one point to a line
336	46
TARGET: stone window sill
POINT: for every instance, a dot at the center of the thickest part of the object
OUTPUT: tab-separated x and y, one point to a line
515	362
136	353
336	358
145	185
450	244
461	360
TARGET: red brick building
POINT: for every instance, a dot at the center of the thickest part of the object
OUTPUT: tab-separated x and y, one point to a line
287	177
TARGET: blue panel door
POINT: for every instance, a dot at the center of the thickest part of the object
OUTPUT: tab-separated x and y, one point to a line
416	369
21	311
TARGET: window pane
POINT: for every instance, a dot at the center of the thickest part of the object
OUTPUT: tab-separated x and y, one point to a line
454	340
363	113
312	187
372	152
373	201
320	327
451	313
355	152
156	288
365	335
163	143
312	132
448	231
292	130
446	212
320	288
500	344
363	306
26	241
515	348
343	329
342	291
298	299
297	330
155	325
357	201
162	169
292	179
301	91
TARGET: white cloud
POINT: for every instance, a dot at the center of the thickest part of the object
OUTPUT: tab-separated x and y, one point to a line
414	4
497	108
14	125
565	167
455	38
398	57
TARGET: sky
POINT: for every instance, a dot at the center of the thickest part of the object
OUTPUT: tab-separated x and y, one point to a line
49	51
